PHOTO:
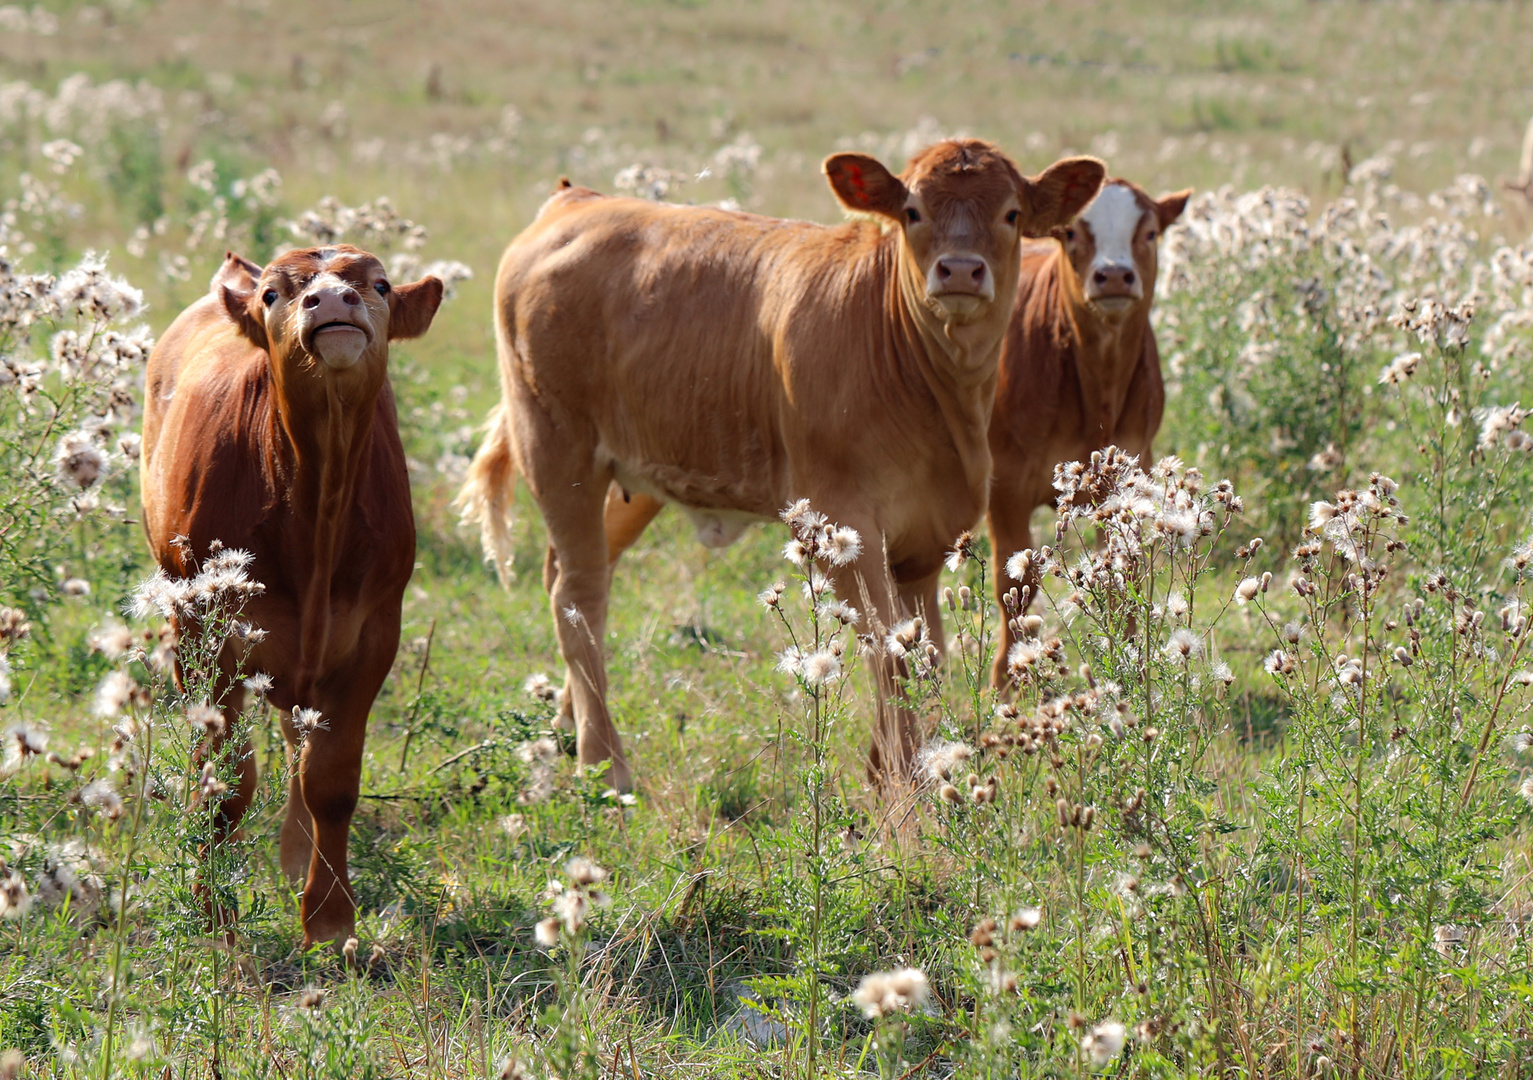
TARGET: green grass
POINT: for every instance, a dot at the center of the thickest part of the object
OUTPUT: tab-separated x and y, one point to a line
1269	951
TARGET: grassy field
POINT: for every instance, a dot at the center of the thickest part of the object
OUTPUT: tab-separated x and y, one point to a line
1317	864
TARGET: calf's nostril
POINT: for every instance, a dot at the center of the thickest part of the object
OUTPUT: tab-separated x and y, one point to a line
311	301
352	298
1101	277
1128	278
943	272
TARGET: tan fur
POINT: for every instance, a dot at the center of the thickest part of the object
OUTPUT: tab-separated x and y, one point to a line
733	363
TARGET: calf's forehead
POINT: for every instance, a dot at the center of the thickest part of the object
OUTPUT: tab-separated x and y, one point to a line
963	173
342	260
1113	218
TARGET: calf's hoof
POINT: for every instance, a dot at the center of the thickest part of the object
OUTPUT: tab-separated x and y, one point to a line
332	936
619	777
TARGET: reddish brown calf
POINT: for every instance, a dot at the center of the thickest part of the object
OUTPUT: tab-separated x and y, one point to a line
269	426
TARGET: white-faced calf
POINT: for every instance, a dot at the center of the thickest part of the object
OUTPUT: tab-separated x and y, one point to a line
1080	369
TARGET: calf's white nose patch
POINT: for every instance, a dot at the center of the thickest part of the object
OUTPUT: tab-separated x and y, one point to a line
1113	218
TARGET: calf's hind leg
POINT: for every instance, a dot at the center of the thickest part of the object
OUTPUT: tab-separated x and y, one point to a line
578	577
625	517
232	804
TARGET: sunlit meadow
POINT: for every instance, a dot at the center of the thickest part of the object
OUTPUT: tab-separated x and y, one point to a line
1259	805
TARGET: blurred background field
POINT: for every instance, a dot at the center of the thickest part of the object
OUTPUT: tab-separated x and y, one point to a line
197	126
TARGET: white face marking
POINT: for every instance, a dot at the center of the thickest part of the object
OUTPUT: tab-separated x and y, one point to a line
1114	219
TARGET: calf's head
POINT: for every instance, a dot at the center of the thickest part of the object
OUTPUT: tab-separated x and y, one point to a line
962	207
326	310
1112	245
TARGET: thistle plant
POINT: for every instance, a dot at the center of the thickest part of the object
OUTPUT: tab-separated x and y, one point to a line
571	1050
1093	760
152	804
820	642
69	373
885	997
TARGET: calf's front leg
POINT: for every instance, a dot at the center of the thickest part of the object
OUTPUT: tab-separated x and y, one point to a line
329	779
1010	532
870	582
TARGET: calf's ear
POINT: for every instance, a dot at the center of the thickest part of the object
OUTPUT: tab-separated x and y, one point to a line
864	186
1056	195
244	308
412	307
1170	207
237	272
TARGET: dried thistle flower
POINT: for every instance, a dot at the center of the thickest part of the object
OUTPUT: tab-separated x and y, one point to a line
546	933
308	721
205	718
884	993
102	797
1183	645
513	1069
15	899
1104	1042
939	759
111	641
821	667
13	625
209	786
842	545
80	461
115	691
1025	919
583	871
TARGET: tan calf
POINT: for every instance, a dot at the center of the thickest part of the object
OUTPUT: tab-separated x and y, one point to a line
733	364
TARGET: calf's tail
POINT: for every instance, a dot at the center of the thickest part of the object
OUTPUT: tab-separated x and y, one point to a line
487	493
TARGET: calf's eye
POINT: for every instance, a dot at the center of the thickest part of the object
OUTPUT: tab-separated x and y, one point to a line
382	287
1150	236
1012	215
1069	234
912	215
270	297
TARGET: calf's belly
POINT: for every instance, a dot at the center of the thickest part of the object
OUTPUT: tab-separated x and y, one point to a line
719	508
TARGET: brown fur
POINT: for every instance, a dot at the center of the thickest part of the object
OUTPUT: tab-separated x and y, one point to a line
733	363
251	439
1074	378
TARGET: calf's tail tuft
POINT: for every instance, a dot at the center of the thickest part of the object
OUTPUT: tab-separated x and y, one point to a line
488	491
